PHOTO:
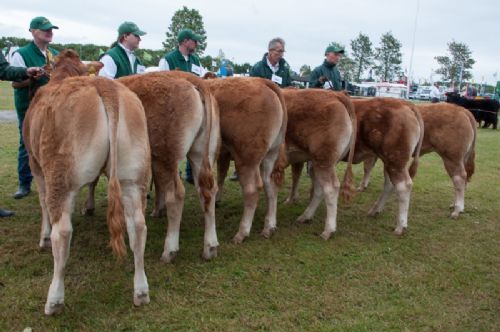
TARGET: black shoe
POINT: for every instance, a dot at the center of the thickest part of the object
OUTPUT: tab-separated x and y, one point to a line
5	213
22	192
234	177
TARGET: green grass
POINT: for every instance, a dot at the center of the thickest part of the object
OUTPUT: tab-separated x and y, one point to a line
442	275
6	96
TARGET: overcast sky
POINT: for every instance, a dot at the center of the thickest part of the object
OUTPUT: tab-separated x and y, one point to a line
243	28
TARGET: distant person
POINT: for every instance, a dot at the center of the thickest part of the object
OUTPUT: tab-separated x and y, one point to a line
435	93
120	60
35	54
10	73
184	58
273	66
327	75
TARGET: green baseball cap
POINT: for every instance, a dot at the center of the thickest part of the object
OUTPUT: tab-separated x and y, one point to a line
188	34
130	27
41	23
334	49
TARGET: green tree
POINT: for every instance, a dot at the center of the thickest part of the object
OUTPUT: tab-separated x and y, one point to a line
451	65
185	18
243	68
388	57
362	54
305	70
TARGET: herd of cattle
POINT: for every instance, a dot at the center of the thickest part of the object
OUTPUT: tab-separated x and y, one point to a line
143	126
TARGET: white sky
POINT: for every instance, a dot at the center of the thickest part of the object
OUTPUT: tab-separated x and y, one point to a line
243	28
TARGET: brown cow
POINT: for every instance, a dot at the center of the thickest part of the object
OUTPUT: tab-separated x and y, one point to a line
76	128
183	119
450	131
392	130
253	125
321	128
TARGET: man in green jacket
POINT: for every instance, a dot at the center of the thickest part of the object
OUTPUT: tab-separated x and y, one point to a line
184	58
9	73
327	75
35	54
120	60
273	66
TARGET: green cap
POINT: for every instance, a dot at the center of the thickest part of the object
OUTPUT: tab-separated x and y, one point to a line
188	34
334	49
130	27
41	23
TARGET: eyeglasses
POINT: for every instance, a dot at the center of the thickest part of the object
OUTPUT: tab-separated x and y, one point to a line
278	51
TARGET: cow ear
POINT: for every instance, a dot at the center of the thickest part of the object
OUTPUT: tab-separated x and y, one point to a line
93	67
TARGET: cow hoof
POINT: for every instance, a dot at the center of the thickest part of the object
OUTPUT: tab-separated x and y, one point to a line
400	231
304	220
326	235
209	253
361	188
168	257
158	213
141	297
290	201
455	214
87	211
45	243
267	233
373	213
239	238
54	308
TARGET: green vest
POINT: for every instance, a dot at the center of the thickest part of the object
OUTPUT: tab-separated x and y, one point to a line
261	69
176	61
329	71
32	57
123	67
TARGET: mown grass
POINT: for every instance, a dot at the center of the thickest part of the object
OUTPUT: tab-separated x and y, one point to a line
6	96
442	275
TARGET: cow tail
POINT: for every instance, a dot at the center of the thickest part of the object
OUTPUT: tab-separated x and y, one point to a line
206	180
470	156
416	154
115	213
347	189
278	173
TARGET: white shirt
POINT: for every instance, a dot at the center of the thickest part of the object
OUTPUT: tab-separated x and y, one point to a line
435	92
275	68
163	65
109	70
18	61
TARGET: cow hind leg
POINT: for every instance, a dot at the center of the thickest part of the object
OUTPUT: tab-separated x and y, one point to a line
271	190
174	200
88	207
250	184
458	176
61	238
382	199
222	168
293	196
46	227
207	190
315	199
331	186
137	231
368	166
403	184
159	179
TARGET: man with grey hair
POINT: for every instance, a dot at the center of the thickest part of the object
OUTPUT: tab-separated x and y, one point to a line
273	66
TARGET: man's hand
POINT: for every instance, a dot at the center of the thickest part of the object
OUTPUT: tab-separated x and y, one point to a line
35	72
322	79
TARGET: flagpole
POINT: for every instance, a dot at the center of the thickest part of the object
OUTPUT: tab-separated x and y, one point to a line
410	73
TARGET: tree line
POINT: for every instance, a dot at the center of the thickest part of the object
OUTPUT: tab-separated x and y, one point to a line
382	61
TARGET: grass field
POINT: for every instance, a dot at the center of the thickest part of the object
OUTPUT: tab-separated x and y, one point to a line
442	275
6	96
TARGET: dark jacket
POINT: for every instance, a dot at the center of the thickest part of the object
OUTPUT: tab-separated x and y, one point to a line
10	73
329	71
261	69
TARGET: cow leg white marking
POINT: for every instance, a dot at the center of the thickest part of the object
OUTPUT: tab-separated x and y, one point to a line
45	231
331	188
293	196
174	199
210	237
249	179
459	183
403	191
315	200
368	166
137	232
379	204
89	207
61	240
271	190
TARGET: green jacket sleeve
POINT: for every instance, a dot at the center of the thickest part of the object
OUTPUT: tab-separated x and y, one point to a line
313	80
10	73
